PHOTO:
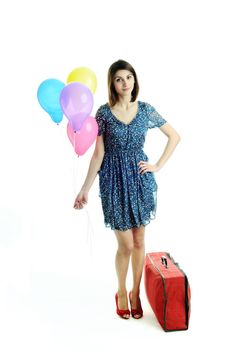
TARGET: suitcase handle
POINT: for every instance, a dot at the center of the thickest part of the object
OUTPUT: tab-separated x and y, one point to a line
164	261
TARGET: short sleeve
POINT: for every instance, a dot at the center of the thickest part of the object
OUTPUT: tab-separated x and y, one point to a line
154	118
99	117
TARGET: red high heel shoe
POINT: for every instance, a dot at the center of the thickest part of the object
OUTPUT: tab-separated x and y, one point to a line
138	311
121	313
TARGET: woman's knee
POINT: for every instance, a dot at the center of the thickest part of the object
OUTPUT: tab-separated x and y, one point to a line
125	249
139	244
138	237
125	242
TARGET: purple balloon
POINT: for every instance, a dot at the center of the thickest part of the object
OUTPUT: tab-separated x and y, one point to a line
76	102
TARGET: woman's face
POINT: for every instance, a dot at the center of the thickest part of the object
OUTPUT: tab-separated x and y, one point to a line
123	82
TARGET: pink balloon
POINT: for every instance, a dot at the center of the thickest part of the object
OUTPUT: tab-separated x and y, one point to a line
76	102
83	139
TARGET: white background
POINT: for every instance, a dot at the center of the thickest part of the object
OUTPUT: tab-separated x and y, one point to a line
57	276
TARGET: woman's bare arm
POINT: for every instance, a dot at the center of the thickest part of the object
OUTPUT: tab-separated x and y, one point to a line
95	164
173	140
94	167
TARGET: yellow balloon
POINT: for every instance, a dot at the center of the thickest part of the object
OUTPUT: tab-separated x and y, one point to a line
84	76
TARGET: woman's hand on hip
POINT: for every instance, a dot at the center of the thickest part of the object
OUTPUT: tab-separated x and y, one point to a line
145	167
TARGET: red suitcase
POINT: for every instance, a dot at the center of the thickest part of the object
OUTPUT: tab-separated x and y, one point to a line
168	291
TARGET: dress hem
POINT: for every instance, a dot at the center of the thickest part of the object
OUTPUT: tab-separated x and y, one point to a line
125	228
145	222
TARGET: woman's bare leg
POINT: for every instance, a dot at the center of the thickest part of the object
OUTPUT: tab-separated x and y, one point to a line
137	260
125	247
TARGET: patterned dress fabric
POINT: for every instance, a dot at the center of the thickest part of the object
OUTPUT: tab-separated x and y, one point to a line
129	199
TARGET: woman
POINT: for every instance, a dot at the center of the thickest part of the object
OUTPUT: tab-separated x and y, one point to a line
127	183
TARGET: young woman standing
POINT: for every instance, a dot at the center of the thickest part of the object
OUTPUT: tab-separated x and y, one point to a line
128	188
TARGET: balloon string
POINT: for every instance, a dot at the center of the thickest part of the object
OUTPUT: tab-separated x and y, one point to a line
89	232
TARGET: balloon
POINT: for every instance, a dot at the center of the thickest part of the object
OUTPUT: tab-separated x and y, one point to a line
76	101
48	95
85	76
83	139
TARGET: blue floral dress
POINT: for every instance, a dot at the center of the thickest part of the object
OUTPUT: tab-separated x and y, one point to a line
129	199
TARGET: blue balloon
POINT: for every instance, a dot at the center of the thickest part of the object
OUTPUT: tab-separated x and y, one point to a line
48	95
